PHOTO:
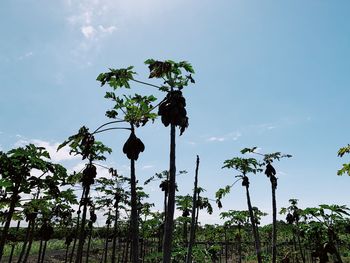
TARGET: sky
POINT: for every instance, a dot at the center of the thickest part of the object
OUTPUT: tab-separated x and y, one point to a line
270	74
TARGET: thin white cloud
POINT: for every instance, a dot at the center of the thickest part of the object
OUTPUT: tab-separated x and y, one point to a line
146	167
234	136
216	139
88	31
26	55
109	29
94	18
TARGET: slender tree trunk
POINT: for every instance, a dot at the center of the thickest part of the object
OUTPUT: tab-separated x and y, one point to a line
115	230
299	243
79	256
254	227
273	180
25	242
239	244
14	199
44	252
193	216
76	233
88	246
66	257
40	250
14	244
31	238
106	244
226	252
169	223
134	226
295	248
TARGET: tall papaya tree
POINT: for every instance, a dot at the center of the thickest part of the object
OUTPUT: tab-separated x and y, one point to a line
270	172
83	143
172	111
244	166
136	111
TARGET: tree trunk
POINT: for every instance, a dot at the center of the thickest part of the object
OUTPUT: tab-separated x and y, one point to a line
193	216
79	256
254	227
239	244
14	244
88	246
25	242
76	233
273	180
106	244
169	223
40	251
134	226
31	238
299	243
295	249
115	230
5	230
44	252
66	257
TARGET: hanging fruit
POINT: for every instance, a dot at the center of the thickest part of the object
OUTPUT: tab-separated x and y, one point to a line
133	146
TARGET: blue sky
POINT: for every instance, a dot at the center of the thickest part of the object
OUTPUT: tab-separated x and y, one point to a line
272	74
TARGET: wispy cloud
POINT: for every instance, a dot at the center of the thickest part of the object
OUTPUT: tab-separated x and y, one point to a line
88	31
93	18
216	139
26	55
146	167
232	136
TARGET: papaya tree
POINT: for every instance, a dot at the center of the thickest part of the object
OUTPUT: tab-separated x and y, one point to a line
293	216
270	172
136	110
172	111
244	166
83	143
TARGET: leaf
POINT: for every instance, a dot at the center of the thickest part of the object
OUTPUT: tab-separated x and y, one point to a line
248	150
344	150
5	183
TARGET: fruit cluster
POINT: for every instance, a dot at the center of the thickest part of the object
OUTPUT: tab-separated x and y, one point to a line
172	110
133	146
46	232
89	175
